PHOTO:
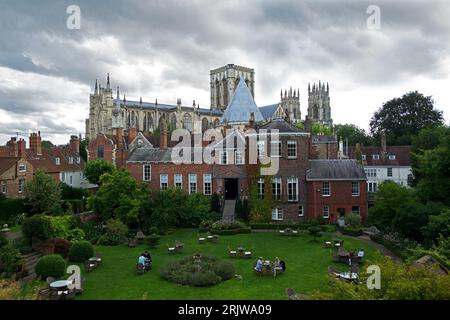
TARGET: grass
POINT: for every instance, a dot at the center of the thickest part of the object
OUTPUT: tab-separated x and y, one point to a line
306	268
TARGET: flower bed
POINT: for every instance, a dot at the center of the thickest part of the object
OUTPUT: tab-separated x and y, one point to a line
197	271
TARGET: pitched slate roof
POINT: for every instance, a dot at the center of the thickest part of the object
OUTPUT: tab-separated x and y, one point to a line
241	106
167	107
268	111
335	170
47	161
402	155
282	126
7	162
156	155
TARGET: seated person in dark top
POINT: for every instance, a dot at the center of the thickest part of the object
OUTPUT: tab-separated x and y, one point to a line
148	259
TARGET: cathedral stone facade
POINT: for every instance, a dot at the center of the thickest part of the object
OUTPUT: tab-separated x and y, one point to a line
107	114
319	109
224	81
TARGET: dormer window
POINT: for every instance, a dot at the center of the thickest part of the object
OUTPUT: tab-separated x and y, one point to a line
363	157
376	157
70	160
392	157
78	160
22	167
57	161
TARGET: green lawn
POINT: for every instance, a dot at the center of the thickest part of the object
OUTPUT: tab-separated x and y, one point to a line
306	268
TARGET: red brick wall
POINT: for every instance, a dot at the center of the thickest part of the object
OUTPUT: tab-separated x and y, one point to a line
12	176
324	150
108	147
341	197
136	170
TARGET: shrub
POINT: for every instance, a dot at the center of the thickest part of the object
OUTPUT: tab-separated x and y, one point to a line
81	251
61	225
153	240
224	270
3	241
353	220
204	279
10	260
91	229
354	232
36	227
197	271
9	208
76	234
52	265
115	233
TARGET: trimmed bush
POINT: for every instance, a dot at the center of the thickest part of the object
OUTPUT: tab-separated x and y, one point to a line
52	265
81	251
37	227
61	246
275	226
204	279
354	232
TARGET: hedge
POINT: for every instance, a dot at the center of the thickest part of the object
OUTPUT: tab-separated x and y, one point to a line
10	208
354	232
80	251
378	238
229	232
275	226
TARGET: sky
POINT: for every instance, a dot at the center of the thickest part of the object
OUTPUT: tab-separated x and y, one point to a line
165	50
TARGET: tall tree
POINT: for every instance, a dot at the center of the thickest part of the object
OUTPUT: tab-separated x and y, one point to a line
96	168
353	133
404	117
43	194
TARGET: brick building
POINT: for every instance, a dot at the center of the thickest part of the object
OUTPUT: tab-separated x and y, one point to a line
15	172
336	188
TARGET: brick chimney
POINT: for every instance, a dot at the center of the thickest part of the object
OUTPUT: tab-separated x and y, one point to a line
74	144
131	135
36	143
12	147
22	148
163	136
119	136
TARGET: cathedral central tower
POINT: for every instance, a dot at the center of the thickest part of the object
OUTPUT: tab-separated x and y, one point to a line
224	81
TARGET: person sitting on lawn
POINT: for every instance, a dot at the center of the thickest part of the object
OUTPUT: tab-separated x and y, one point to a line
141	260
148	260
283	265
361	253
259	265
277	266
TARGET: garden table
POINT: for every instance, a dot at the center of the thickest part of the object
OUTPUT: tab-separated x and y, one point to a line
60	284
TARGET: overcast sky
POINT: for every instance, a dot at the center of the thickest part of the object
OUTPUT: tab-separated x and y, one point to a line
165	50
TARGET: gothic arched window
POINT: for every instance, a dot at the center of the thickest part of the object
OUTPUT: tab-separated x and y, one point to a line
216	123
187	122
145	122
173	122
204	124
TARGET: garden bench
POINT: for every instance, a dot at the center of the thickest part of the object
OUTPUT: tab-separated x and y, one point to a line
171	250
89	266
201	240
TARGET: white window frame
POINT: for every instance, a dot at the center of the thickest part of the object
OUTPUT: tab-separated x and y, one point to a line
144	177
372	187
191	181
277	214
261	149
376	156
70	179
371	172
392	157
355	194
293	197
70	160
289	148
363	157
239	157
389	172
261	188
301	210
78	160
328	187
163	186
275	149
22	167
222	155
178	181
326	212
63	176
207	180
277	194
57	161
21	186
4	186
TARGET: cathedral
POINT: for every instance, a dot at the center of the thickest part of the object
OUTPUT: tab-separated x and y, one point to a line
107	113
